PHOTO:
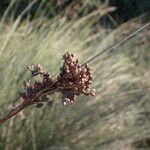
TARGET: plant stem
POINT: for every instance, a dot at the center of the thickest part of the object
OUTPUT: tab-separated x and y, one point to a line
28	102
14	112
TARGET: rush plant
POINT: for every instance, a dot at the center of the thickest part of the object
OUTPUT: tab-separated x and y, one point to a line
72	81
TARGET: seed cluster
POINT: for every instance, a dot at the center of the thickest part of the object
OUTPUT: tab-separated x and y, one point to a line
32	88
72	81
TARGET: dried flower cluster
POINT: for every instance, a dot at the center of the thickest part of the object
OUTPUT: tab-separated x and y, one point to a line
72	81
31	89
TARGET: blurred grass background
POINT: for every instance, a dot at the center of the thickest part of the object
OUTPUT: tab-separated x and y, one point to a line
118	117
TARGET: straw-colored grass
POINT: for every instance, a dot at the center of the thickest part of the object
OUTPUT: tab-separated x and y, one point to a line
116	118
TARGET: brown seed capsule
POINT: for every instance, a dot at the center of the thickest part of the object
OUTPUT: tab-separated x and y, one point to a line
90	81
64	103
92	93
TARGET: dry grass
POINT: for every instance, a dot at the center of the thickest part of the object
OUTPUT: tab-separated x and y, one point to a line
117	117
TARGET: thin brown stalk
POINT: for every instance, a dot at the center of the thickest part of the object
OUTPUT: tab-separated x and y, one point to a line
14	112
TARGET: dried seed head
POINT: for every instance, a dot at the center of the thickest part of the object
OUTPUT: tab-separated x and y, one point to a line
35	69
72	81
76	79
